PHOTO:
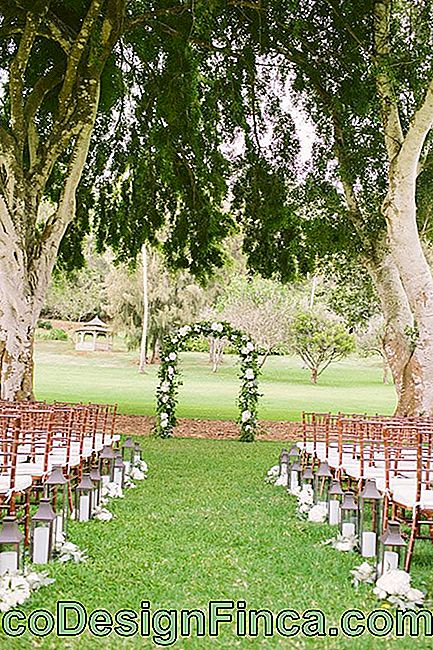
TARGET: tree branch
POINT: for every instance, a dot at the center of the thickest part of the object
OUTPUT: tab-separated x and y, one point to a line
390	113
150	16
17	71
420	125
77	51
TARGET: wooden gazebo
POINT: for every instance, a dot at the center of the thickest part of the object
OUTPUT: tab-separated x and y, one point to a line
93	335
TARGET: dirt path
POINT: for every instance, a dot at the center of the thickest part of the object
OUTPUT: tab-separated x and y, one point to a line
142	425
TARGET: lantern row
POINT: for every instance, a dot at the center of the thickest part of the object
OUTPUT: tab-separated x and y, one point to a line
49	524
359	516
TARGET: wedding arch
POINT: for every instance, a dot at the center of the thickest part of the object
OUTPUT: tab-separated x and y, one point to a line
169	380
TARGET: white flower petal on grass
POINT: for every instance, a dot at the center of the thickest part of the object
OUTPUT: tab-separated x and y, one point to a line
415	595
318	513
394	582
17	586
136	474
380	593
112	490
365	572
102	514
281	480
142	465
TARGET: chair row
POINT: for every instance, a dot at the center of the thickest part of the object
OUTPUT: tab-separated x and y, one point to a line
397	453
37	437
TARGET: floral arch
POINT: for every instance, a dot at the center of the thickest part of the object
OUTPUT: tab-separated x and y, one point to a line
166	392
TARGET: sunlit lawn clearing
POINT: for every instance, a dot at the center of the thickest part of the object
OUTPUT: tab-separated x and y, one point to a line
353	385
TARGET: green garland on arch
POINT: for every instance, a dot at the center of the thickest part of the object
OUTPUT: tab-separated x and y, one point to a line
166	392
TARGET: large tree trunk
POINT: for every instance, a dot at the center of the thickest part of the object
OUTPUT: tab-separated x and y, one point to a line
398	348
16	353
404	147
29	237
417	280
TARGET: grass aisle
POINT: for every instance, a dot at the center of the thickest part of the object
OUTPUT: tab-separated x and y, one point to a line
204	526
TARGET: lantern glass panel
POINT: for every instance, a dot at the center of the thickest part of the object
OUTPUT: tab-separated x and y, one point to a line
137	453
294	454
127	453
294	477
391	549
10	545
119	471
42	534
307	477
96	478
106	465
56	490
335	494
84	501
284	462
370	506
322	480
349	515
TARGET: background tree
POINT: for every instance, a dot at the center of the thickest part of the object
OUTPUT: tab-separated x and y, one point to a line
260	307
112	115
145	318
78	295
319	339
371	340
174	298
347	64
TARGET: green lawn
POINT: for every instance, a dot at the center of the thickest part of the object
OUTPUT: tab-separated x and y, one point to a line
205	526
353	385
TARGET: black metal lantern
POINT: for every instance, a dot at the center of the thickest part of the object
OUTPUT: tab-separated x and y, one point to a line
335	494
42	533
11	548
128	453
284	462
119	470
56	490
295	476
95	476
294	454
106	464
84	499
322	480
136	457
370	508
391	549
307	477
349	515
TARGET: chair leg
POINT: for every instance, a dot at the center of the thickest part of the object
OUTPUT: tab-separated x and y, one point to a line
411	543
27	519
385	513
70	498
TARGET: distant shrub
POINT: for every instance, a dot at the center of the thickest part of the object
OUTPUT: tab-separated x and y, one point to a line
45	325
53	334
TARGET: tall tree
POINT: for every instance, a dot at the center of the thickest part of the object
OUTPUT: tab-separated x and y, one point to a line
350	63
97	93
145	323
